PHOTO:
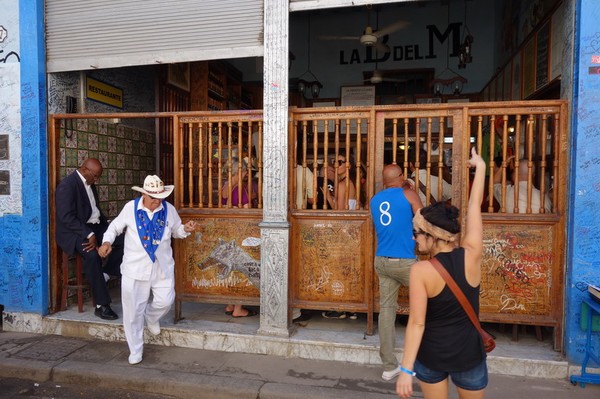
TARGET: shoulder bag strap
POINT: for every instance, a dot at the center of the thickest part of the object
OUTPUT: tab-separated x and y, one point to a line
457	292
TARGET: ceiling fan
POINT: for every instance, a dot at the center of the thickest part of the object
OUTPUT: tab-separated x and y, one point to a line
378	76
371	37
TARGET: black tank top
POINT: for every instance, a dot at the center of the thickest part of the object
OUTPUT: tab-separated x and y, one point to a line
450	341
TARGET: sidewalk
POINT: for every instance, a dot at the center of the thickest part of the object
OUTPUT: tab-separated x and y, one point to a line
196	373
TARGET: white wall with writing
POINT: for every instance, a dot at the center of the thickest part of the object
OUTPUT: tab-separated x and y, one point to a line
10	110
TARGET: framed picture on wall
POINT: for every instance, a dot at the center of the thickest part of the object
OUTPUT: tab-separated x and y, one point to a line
542	56
358	96
178	75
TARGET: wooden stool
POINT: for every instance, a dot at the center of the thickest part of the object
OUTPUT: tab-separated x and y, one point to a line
79	283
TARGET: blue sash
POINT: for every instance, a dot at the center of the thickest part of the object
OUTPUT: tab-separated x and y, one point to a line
150	230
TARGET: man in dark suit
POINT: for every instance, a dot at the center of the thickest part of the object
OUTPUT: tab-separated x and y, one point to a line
80	225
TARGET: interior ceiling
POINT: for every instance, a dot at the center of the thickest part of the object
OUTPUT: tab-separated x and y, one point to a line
304	5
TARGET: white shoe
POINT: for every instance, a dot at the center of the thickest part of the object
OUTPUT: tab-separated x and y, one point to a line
135	358
390	375
154	328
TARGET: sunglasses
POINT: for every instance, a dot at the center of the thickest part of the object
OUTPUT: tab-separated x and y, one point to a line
339	161
417	232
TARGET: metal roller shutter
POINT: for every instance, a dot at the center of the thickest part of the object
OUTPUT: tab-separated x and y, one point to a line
83	35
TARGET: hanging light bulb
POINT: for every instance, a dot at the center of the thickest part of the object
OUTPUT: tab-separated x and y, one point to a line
315	88
457	87
301	86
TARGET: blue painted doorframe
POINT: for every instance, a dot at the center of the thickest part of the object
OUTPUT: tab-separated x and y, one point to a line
583	234
24	237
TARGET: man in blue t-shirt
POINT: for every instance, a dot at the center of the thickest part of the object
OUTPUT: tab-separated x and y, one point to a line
392	210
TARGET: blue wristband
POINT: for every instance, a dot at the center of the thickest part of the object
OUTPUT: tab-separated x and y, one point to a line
407	371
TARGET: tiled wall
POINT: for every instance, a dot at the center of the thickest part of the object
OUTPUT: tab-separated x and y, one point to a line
126	153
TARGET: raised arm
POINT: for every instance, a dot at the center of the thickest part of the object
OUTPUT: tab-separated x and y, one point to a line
473	238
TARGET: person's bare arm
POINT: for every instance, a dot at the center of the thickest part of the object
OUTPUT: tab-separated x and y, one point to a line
473	237
413	198
416	326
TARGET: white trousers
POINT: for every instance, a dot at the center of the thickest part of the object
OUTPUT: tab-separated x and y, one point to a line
137	306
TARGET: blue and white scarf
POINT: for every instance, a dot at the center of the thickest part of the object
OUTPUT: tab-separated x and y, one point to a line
150	230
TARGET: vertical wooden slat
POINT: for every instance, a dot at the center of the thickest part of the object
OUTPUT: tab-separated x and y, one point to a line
201	161
406	145
251	189
530	130
395	140
542	166
210	163
260	164
190	166
177	159
220	167
556	161
358	184
440	171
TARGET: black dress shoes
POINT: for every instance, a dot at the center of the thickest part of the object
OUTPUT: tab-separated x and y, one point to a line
106	313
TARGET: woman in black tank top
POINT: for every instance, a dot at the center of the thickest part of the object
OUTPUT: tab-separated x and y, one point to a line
440	339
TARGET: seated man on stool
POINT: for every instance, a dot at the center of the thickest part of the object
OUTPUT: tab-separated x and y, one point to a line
80	225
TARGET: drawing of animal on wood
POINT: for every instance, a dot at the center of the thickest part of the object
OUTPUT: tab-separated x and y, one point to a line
228	257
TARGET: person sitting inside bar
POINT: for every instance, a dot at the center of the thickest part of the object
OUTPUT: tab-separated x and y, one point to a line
522	174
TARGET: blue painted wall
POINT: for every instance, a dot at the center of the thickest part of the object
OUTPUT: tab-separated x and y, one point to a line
24	238
583	256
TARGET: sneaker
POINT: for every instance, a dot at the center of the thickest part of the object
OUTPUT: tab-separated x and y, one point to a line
135	358
154	328
332	314
390	375
352	316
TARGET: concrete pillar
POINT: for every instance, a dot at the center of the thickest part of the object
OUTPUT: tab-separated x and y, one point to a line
275	227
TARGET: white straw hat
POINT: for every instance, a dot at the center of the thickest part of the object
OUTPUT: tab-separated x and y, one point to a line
154	187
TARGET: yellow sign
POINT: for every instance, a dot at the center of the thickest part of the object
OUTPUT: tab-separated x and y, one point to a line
104	93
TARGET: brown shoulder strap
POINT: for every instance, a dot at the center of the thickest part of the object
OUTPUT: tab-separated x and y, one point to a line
457	292
423	189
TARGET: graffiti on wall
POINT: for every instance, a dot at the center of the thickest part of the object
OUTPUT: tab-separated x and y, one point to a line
10	115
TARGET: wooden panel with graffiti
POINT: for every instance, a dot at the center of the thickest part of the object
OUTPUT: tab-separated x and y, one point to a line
517	270
223	260
330	261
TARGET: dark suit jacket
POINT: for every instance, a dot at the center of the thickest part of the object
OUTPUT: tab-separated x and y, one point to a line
73	210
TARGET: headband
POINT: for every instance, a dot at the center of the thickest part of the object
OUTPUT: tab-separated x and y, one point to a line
431	229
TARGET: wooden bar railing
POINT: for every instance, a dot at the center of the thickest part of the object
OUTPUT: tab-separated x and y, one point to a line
366	138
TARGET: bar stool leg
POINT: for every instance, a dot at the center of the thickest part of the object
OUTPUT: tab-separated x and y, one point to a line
65	280
79	283
79	274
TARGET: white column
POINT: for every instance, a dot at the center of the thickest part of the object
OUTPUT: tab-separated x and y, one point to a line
275	226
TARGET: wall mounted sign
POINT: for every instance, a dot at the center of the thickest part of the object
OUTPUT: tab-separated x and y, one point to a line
542	58
103	93
358	96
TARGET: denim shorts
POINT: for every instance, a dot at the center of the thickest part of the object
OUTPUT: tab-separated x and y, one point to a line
474	379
